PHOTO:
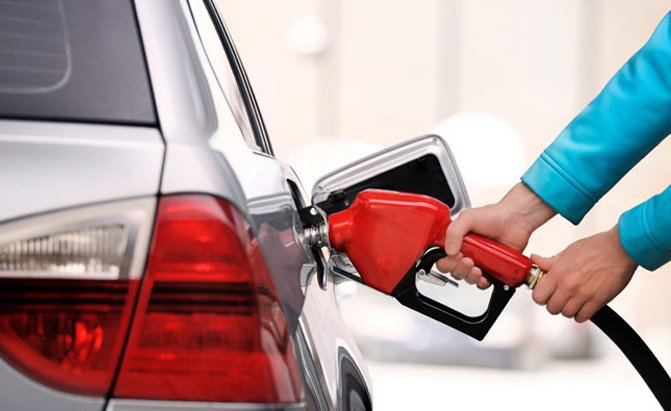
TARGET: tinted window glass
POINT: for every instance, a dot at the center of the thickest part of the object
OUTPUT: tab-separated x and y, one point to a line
72	59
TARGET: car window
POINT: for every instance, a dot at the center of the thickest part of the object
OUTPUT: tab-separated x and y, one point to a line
73	60
232	78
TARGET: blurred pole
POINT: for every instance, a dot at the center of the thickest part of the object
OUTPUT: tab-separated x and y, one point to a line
448	99
328	97
590	55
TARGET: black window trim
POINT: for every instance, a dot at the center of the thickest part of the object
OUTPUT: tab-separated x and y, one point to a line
246	92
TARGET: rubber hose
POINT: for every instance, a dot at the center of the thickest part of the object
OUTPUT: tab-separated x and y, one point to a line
637	352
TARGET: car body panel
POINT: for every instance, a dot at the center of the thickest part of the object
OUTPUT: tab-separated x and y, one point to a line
184	105
20	392
331	344
48	165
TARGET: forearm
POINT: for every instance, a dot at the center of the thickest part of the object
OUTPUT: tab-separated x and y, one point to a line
527	208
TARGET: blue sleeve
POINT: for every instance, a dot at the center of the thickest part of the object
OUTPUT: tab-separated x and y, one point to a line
645	231
626	120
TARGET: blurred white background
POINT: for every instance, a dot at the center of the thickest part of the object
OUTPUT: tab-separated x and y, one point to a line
498	79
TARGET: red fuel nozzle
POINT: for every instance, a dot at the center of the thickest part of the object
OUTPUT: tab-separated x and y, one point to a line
385	232
393	237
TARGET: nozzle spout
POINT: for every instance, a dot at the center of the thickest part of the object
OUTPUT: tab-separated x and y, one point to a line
317	236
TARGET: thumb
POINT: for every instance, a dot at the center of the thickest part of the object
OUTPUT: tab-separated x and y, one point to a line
454	236
544	263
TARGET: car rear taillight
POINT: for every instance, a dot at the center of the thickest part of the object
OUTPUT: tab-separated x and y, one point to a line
208	325
65	333
67	290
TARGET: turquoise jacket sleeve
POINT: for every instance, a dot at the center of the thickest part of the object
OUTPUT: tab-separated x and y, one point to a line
626	120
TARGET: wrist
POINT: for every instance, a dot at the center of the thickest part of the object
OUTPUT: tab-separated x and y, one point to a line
614	235
530	210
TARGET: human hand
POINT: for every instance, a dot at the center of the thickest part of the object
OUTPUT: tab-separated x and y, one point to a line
510	221
585	276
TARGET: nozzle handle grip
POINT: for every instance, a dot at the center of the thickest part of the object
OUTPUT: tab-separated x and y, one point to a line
497	260
476	326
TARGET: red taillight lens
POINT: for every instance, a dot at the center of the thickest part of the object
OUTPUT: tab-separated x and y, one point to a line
65	333
208	326
66	293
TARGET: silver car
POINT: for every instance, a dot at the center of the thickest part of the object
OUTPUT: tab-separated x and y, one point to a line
152	252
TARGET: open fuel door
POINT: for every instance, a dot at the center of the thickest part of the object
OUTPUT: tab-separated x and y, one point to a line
424	165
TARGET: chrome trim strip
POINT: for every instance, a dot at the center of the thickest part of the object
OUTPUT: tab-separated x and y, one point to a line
154	405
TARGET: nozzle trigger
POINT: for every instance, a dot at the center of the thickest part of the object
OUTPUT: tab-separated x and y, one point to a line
436	278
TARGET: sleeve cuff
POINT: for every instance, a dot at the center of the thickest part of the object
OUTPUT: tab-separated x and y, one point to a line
557	189
638	241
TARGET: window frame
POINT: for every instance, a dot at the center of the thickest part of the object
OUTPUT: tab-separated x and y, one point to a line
247	96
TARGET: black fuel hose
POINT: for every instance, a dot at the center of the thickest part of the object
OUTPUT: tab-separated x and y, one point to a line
637	352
